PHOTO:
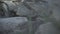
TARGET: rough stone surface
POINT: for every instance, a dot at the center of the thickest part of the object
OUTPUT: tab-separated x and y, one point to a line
22	10
48	28
18	25
36	24
13	25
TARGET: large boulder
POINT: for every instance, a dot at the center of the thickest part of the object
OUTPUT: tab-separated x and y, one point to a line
14	25
47	28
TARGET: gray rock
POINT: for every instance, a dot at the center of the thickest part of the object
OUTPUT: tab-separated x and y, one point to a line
11	5
23	10
33	9
38	8
36	24
48	28
13	25
9	9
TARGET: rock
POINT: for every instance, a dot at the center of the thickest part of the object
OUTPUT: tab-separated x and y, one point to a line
11	5
32	9
9	9
13	25
23	10
53	27
36	24
38	8
48	28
